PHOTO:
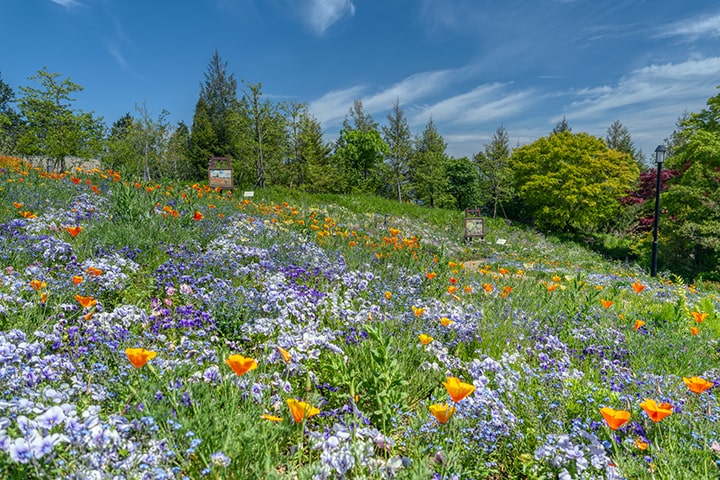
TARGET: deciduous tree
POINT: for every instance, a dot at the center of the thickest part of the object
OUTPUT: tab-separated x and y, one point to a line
495	174
52	128
398	138
572	182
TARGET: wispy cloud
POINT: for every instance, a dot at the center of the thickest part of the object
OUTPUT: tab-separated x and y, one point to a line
322	14
332	107
694	28
663	84
67	3
117	55
485	103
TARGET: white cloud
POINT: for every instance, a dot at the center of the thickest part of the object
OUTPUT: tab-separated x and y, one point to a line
485	103
693	29
332	107
117	55
67	3
322	14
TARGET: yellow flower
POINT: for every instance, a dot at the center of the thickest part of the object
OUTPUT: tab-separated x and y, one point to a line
638	324
425	339
446	322
442	413
418	311
301	410
241	365
388	295
139	356
458	389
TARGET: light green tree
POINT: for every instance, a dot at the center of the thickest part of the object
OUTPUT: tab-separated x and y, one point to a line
572	182
359	155
52	128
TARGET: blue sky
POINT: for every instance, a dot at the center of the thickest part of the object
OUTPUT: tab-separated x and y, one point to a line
470	64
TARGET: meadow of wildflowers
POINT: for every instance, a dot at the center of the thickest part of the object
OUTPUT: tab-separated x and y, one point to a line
173	331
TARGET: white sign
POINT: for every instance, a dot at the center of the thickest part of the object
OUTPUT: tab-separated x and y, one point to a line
248	194
501	241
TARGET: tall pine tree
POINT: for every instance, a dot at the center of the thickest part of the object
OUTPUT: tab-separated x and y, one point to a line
399	141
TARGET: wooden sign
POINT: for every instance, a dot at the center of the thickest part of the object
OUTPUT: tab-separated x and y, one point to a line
220	173
474	225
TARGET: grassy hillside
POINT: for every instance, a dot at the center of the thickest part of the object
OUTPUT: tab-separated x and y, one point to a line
170	331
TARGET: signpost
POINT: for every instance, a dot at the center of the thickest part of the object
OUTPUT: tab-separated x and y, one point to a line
220	173
474	225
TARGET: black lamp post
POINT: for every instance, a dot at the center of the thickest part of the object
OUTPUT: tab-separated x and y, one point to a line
659	159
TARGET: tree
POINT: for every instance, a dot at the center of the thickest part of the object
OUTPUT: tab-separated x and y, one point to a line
462	178
178	152
121	153
220	95
562	126
361	120
691	242
202	140
572	182
618	138
398	138
9	120
429	179
260	129
52	128
360	154
323	176
153	138
296	164
495	174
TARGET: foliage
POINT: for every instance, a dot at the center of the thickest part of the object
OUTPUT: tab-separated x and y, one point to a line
618	138
398	138
462	178
690	230
328	297
359	155
572	182
493	164
52	128
428	178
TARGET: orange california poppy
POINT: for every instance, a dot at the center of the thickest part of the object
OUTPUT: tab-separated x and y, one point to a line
198	216
656	412
615	418
606	303
431	275
487	287
699	317
74	231
458	389
388	295
93	272
77	279
468	289
241	365
284	354
451	289
37	284
17	205
86	302
28	214
697	384
552	288
301	410
442	413
638	287
503	271
694	331
139	356
425	339
446	322
418	311
638	324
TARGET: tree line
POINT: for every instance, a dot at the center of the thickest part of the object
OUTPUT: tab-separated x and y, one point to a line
572	184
